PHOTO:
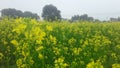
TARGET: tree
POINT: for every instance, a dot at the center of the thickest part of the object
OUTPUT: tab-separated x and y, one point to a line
83	17
11	12
51	13
17	13
97	20
113	19
75	18
28	14
118	18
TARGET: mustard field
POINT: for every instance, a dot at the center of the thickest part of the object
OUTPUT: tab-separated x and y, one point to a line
27	43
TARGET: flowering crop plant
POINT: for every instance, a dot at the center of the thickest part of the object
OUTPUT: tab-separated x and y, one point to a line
27	43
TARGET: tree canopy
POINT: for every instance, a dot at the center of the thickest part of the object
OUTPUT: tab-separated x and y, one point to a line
17	13
83	17
29	14
51	13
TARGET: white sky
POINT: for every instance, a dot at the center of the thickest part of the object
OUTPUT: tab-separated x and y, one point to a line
101	9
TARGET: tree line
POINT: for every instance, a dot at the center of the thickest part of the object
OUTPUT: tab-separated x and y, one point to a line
10	12
49	13
115	19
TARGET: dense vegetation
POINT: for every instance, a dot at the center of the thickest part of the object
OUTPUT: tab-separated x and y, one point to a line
27	43
14	13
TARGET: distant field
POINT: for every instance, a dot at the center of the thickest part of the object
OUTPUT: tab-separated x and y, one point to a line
26	43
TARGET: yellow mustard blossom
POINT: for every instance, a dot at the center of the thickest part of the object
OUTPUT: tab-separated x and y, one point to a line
14	42
37	34
1	56
116	65
40	56
39	48
30	60
57	66
94	65
27	35
39	42
36	31
49	28
19	28
76	51
114	55
33	21
53	39
72	41
85	43
59	63
25	54
19	62
23	66
106	40
41	36
65	65
18	20
56	50
60	60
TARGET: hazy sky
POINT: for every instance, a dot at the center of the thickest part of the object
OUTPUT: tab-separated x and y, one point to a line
101	9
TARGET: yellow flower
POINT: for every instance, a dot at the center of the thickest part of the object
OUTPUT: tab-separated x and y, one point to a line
33	21
86	42
36	31
19	62
116	65
19	28
1	56
59	63
27	35
90	65
38	41
72	41
76	51
14	42
65	65
57	66
53	39
18	20
94	65
41	36
39	48
60	60
25	53
23	66
40	56
56	50
31	61
49	28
